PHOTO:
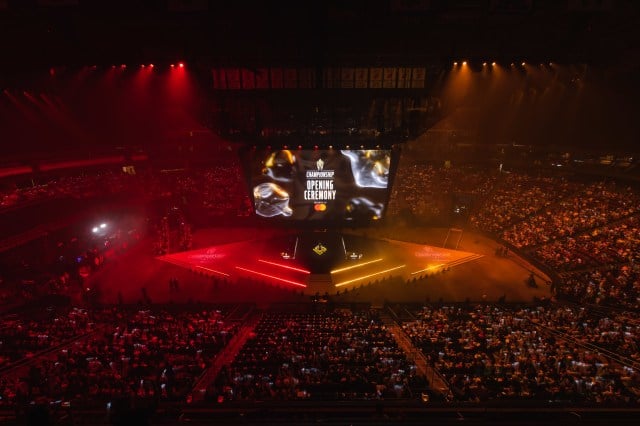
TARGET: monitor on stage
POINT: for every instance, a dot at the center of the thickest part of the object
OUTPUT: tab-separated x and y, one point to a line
320	185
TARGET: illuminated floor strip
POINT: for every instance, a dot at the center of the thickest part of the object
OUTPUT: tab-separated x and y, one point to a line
271	276
213	270
304	271
370	275
430	268
335	271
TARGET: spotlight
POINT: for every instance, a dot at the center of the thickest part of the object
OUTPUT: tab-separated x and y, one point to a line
464	62
172	65
95	229
523	63
181	64
484	64
142	66
455	64
299	146
493	64
123	66
103	225
330	146
150	65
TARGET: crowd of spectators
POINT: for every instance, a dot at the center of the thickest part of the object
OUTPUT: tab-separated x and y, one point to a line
595	206
154	354
426	191
83	185
517	196
615	287
612	244
322	356
218	189
495	352
22	336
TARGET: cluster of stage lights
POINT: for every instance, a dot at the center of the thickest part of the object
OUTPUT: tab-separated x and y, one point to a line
494	63
316	147
150	66
179	65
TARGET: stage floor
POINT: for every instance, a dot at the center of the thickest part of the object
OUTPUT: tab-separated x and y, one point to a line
247	265
320	262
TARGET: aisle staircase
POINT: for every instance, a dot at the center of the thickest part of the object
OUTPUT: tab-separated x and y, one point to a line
437	382
226	356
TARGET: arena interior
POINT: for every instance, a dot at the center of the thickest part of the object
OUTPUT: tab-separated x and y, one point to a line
327	212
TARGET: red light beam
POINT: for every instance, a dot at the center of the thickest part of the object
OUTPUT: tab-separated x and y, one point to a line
213	270
272	277
304	271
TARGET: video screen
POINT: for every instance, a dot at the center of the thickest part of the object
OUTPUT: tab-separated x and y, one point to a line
331	185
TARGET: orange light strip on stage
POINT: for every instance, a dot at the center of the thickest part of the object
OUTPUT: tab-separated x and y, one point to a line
369	276
428	269
213	270
335	271
304	271
271	276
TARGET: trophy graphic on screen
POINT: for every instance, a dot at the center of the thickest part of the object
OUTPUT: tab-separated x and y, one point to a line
370	167
271	200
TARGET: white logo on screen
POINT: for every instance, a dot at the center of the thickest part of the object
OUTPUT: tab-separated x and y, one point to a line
320	164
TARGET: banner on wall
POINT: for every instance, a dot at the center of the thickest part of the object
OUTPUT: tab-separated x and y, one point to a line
248	79
219	79
417	78
306	78
262	78
389	80
276	78
404	78
375	78
362	78
233	78
290	78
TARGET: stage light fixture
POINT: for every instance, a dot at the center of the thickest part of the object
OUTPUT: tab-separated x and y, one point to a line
523	63
455	64
484	64
173	65
493	64
181	64
151	65
464	63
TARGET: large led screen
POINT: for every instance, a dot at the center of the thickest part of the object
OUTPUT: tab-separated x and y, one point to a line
321	184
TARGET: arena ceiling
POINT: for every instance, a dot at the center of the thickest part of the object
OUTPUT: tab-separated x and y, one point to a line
44	33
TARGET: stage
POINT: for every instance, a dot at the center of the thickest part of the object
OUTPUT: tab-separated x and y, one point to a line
227	264
320	262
